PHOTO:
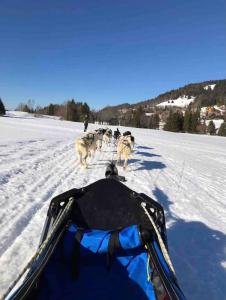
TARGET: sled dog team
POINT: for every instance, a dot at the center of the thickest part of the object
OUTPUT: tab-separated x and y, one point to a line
92	141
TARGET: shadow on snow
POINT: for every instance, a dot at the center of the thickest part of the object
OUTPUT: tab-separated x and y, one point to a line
148	165
198	253
147	154
144	147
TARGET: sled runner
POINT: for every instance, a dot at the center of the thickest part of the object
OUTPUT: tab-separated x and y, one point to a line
103	241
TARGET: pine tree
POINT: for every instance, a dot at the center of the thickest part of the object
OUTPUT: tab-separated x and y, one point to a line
2	108
187	121
191	121
174	122
51	110
72	111
85	110
178	121
211	128
222	129
154	121
194	121
136	119
168	124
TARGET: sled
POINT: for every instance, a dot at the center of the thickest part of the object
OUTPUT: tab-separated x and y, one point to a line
103	241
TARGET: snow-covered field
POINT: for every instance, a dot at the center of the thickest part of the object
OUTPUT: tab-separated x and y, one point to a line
185	173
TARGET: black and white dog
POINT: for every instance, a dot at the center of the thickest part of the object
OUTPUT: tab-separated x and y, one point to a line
100	133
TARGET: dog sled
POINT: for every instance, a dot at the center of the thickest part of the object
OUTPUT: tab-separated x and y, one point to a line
103	241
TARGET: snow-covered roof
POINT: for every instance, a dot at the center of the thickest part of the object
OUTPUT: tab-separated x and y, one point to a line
183	101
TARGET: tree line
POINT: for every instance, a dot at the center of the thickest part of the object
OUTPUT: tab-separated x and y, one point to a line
175	121
191	122
70	110
2	108
203	96
124	115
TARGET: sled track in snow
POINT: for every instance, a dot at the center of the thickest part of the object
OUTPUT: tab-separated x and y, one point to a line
32	198
63	169
36	170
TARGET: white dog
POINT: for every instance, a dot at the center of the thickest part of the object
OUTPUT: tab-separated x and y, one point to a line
124	149
107	136
86	146
100	133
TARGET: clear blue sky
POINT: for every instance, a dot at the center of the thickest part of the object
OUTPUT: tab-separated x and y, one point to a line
107	51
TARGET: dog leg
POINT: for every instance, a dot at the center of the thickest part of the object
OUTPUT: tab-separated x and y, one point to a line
80	159
100	145
92	152
85	162
118	159
125	163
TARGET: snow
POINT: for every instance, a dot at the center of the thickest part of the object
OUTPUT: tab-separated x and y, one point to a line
149	114
185	173
216	122
182	102
203	111
217	110
22	114
222	108
210	86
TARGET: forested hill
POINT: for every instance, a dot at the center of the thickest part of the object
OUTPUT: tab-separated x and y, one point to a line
206	93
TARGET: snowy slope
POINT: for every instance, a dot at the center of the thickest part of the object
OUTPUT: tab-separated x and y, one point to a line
217	123
182	102
210	86
185	173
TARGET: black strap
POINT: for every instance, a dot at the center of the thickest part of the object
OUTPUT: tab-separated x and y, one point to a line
113	246
76	253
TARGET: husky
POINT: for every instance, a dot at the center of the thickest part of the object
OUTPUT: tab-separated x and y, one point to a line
127	133
124	149
86	146
131	140
117	135
100	133
107	136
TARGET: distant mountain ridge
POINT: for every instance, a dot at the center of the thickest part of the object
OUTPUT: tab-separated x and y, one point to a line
204	95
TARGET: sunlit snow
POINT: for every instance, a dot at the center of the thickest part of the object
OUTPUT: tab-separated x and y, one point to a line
185	173
183	101
210	86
